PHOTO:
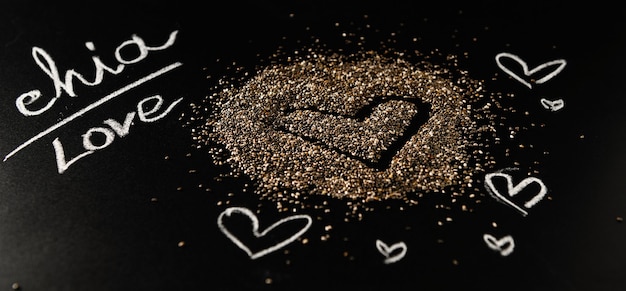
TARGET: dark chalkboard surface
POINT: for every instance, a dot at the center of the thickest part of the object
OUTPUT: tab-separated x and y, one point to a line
132	178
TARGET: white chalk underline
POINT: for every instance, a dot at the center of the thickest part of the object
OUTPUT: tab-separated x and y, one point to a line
93	106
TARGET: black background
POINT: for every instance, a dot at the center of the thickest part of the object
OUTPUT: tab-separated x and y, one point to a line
95	227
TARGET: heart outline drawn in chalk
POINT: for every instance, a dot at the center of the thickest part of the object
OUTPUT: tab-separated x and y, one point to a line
552	105
560	62
497	244
514	190
386	251
255	230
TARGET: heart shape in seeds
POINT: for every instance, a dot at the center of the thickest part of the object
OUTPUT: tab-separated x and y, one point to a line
258	234
372	136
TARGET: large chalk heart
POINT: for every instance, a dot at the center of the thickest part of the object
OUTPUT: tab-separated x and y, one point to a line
556	65
513	190
255	230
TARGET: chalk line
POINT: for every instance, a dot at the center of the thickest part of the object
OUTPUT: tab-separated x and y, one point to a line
93	106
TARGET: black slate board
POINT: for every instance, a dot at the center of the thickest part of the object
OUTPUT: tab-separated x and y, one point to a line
132	216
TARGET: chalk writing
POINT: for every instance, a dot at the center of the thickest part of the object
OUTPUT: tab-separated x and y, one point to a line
514	190
66	84
504	246
93	106
559	64
398	248
552	105
115	128
255	230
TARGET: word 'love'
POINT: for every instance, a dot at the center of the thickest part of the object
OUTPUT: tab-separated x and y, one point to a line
115	128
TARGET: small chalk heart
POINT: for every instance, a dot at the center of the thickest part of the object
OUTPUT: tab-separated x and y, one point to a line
388	251
552	105
504	246
558	64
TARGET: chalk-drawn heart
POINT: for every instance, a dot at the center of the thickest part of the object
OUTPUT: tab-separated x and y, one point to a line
255	230
552	105
388	251
558	64
514	190
504	245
